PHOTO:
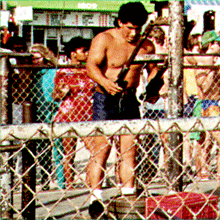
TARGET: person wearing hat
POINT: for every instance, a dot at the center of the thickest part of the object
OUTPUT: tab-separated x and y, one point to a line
207	79
208	82
209	37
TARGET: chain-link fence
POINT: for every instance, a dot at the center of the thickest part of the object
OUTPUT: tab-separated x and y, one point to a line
45	158
153	180
34	157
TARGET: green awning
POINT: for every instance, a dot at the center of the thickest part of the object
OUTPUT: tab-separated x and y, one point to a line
161	1
84	5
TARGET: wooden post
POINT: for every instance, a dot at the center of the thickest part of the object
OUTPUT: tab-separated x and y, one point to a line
5	177
29	175
175	91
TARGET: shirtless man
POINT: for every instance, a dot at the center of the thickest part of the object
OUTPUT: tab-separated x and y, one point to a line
208	85
108	53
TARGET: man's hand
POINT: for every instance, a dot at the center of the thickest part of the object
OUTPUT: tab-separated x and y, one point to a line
111	87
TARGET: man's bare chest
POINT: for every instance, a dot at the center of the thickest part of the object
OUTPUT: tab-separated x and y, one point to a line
118	55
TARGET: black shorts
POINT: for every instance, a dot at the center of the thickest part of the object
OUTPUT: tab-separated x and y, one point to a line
108	107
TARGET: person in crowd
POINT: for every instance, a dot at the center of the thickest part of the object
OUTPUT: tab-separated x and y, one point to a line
46	108
190	94
190	88
153	110
108	53
17	44
158	37
75	90
194	43
207	104
10	31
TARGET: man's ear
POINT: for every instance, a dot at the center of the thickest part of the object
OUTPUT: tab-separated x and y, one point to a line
120	23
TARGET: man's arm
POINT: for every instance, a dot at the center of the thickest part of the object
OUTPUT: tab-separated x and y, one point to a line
97	57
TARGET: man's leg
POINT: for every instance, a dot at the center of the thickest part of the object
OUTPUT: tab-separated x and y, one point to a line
128	163
100	150
116	141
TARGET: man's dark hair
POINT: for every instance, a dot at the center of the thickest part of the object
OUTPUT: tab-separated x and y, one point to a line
133	12
75	43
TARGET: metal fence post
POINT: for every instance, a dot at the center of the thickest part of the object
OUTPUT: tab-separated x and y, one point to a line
175	91
5	177
29	174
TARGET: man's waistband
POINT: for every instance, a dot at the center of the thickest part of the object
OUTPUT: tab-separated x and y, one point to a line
125	91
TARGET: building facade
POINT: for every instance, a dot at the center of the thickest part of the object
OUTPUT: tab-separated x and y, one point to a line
56	22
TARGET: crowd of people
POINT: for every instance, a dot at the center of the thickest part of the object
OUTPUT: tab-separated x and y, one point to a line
90	93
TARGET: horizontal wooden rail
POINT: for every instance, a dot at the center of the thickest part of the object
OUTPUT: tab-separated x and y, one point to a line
109	128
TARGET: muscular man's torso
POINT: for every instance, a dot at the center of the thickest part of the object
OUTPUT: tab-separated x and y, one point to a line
117	54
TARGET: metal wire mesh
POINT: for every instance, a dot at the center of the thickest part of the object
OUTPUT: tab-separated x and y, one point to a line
35	157
152	178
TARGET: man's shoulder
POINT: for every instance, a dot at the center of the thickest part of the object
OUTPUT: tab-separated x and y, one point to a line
106	36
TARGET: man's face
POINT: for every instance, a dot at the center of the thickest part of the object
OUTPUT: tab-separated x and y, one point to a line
130	32
81	54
